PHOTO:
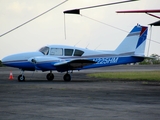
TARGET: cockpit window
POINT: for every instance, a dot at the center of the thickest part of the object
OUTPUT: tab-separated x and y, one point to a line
78	52
44	50
56	51
68	52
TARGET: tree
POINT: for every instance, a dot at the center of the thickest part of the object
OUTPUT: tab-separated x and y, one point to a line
1	64
155	59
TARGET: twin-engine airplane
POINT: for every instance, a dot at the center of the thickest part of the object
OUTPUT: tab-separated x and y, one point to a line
68	58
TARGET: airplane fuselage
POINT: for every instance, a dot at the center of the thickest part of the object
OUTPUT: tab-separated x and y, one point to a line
64	58
46	62
46	65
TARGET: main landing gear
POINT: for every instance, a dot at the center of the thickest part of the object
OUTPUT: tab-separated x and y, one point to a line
49	76
66	77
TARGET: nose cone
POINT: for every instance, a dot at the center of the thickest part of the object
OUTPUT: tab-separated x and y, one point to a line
20	60
5	60
10	60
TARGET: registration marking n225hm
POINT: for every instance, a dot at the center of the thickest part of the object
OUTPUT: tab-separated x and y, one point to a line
106	60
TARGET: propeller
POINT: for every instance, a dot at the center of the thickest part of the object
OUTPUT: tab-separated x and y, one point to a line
32	60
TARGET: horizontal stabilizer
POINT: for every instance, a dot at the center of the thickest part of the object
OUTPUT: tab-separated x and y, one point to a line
143	57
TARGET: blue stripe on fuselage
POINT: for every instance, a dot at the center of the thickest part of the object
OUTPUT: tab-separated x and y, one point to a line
115	61
22	64
101	62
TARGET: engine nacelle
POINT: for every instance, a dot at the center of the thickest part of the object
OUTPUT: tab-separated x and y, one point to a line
42	59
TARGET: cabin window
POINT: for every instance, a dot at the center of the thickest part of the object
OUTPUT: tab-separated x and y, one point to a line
68	52
78	52
56	51
44	50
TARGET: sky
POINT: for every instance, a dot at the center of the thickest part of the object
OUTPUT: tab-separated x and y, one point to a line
81	30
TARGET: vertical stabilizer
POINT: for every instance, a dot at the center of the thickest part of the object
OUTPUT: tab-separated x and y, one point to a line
140	48
129	44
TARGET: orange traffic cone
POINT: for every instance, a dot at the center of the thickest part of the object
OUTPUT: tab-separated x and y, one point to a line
11	76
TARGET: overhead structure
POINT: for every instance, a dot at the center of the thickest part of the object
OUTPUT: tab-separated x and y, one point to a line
77	11
157	23
33	18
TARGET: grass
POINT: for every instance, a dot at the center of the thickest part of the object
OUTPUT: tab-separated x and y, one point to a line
146	76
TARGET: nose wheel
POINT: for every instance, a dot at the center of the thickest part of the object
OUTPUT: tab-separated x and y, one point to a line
21	78
67	77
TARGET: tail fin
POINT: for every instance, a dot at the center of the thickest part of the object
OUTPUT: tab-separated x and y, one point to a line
140	48
133	41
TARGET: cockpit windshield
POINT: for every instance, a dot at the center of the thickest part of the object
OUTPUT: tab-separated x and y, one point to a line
78	52
44	50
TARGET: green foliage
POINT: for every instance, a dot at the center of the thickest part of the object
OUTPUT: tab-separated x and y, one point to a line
0	63
140	75
154	60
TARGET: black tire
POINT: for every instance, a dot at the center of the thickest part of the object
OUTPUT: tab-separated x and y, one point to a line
50	76
21	78
67	77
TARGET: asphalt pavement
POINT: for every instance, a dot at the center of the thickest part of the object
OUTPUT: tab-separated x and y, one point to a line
82	98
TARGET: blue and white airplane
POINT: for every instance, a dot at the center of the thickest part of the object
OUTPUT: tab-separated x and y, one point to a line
68	58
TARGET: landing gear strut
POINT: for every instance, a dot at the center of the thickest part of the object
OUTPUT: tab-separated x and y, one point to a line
21	78
67	77
50	76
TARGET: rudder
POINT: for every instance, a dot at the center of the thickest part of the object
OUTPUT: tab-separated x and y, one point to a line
129	44
140	48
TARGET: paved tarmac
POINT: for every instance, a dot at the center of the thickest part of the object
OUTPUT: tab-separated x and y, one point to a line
82	98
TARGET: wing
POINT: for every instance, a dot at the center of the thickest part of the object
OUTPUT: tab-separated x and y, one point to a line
145	11
142	11
77	11
139	11
73	64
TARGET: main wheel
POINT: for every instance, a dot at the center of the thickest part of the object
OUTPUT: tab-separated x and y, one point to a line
21	78
67	77
50	76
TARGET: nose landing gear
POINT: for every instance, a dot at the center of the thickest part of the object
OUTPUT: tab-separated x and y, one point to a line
21	78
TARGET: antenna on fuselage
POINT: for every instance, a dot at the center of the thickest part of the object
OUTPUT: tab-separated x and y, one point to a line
77	43
97	46
87	45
